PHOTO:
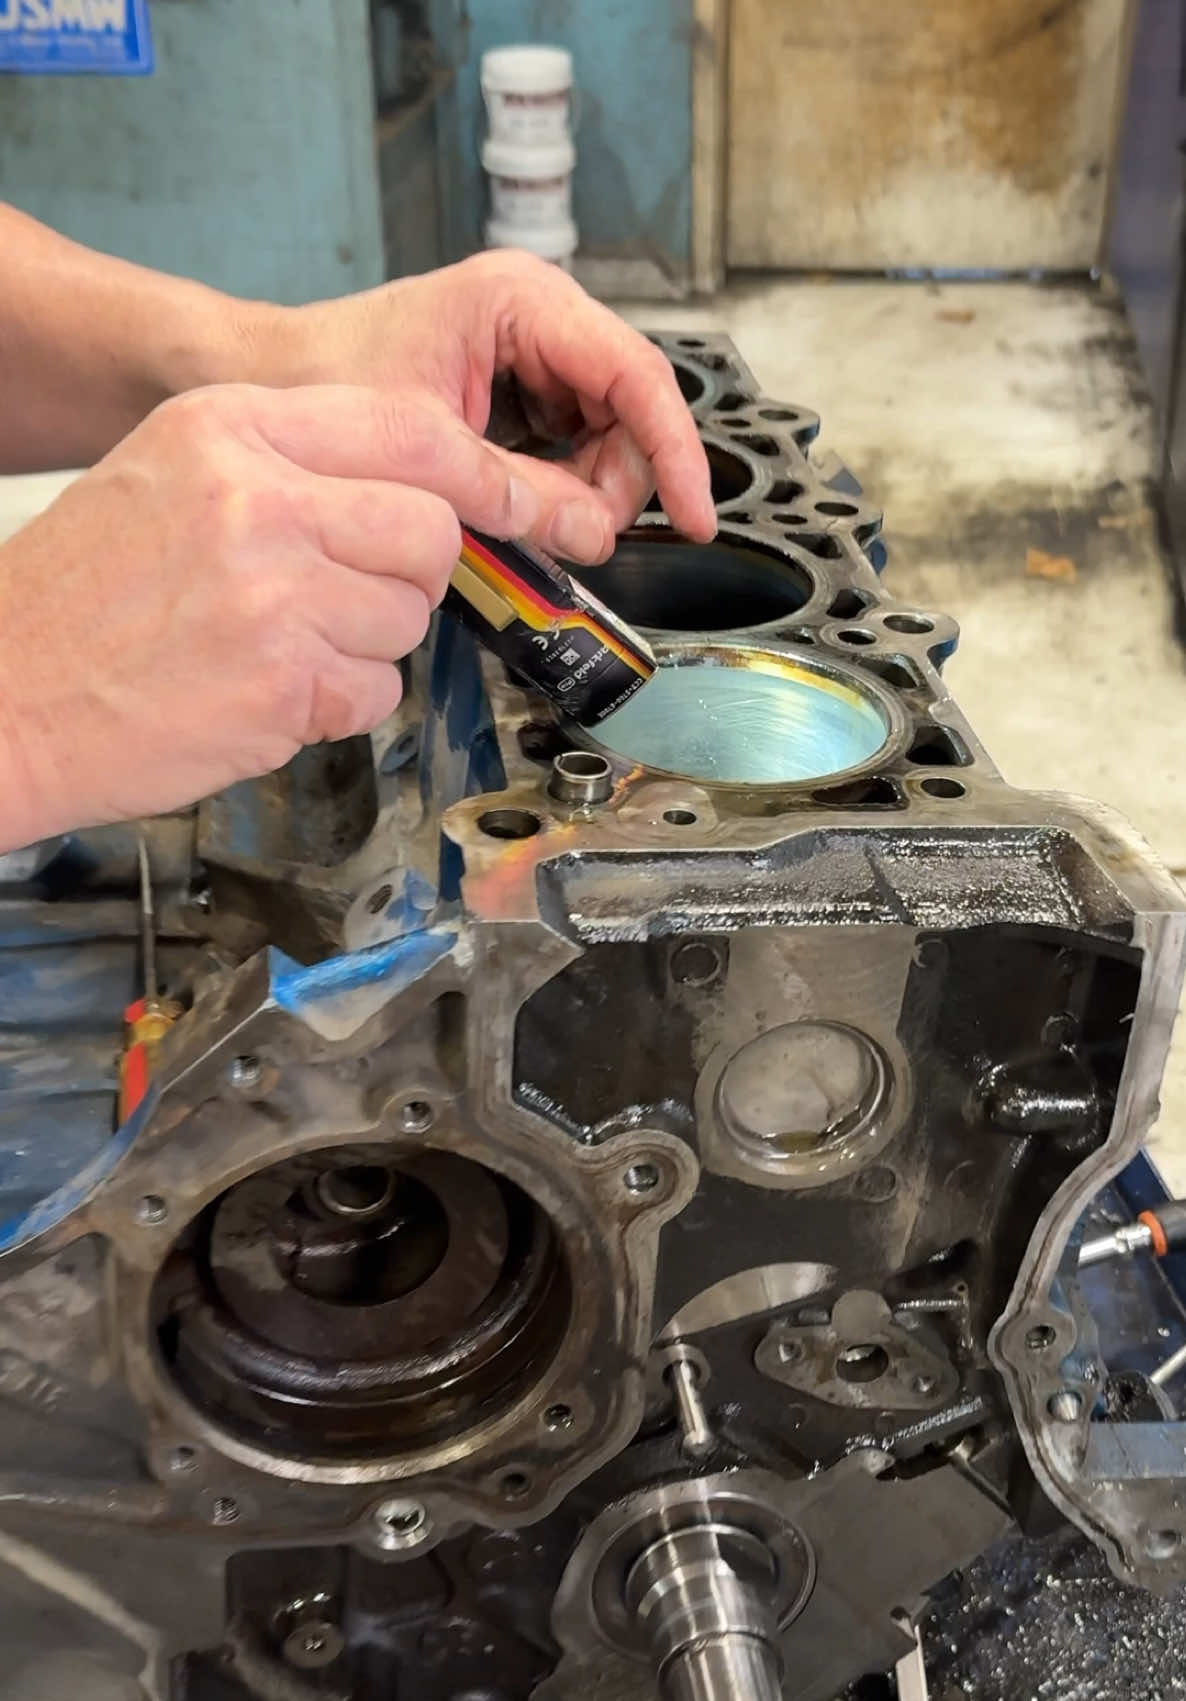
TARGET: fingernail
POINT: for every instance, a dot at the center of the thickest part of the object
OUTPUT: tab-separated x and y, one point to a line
522	506
579	532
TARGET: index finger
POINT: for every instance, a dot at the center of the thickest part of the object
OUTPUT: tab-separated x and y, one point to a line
559	332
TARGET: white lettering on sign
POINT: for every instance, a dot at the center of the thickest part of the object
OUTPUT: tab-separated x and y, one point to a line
94	15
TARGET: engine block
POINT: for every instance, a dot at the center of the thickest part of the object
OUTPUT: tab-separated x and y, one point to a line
596	1189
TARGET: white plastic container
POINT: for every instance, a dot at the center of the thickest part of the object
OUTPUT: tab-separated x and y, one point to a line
556	242
528	93
530	183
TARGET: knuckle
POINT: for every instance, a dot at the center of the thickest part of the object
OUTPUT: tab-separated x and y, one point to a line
489	490
404	435
342	705
262	605
197	419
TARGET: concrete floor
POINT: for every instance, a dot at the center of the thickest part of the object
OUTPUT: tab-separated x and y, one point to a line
988	419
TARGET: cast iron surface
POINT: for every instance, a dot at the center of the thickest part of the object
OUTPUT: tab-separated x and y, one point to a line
327	1372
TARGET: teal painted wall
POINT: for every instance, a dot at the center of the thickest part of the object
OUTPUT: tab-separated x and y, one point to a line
633	70
247	159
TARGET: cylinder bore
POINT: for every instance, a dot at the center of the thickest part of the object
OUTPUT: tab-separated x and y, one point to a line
351	1304
658	579
748	717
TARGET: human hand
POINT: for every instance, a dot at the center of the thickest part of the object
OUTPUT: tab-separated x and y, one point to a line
598	380
231	582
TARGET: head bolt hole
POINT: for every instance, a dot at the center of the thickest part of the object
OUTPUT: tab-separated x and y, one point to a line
1040	1337
514	1485
1162	1544
401	1524
245	1073
1065	1406
416	1117
641	1178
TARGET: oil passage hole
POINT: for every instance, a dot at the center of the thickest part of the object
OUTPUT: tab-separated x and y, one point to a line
508	824
910	623
656	578
379	900
857	636
863	1363
788	414
782	492
679	817
761	444
840	509
943	788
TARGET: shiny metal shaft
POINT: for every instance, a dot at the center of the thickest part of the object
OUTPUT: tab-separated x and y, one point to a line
147	922
684	1382
1169	1368
1122	1242
734	1666
703	1596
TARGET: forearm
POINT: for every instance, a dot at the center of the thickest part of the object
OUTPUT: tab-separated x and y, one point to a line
90	344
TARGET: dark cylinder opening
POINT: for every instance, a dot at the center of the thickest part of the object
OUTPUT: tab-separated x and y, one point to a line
656	578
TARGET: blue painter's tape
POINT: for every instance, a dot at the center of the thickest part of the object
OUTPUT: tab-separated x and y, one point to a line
104	37
393	965
58	1205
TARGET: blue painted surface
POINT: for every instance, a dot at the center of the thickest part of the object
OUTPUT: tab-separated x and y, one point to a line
246	160
393	966
633	74
104	37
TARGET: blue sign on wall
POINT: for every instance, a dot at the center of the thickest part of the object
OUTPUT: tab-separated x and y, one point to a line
109	37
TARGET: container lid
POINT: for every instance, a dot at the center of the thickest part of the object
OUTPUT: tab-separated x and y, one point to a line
528	159
527	69
549	241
